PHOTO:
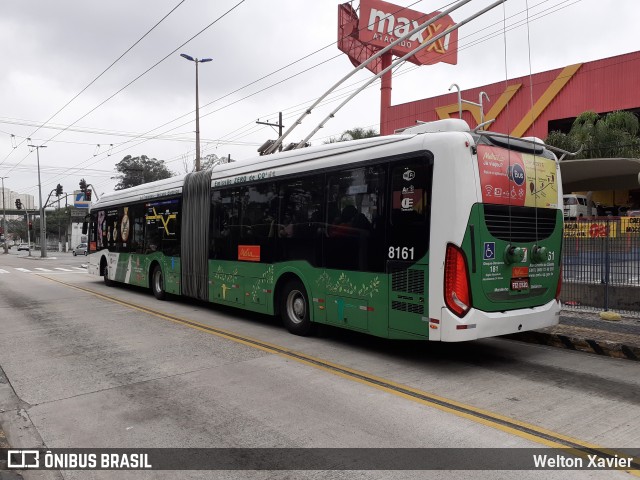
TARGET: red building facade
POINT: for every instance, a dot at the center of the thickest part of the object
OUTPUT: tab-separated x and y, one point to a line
559	96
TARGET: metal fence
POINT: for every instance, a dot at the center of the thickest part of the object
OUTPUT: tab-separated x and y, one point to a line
601	265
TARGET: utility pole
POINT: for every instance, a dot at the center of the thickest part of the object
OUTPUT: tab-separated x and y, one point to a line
197	61
28	233
4	219
43	228
279	125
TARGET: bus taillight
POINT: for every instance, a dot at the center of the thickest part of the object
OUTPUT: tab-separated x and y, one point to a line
559	287
457	293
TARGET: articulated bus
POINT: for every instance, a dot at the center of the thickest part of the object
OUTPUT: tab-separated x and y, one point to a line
434	233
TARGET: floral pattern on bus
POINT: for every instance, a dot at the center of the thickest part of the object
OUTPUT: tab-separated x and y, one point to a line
265	280
344	285
225	277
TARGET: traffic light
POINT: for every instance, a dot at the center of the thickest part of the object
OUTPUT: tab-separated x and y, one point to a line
18	204
58	190
87	195
83	184
30	225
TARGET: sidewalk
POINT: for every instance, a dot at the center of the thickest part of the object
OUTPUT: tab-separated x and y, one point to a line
588	332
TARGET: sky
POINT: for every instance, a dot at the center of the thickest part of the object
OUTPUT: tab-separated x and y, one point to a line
60	87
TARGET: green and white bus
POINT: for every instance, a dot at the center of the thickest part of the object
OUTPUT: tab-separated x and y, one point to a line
434	233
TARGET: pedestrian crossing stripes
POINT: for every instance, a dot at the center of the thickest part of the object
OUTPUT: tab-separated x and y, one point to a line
52	270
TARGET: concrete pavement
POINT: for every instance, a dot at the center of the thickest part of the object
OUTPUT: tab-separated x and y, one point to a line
589	332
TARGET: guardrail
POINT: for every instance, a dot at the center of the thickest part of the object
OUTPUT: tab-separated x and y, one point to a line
601	264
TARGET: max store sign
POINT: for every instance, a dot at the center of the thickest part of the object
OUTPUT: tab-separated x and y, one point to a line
382	23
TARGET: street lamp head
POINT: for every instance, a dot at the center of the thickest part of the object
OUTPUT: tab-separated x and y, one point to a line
37	146
188	57
205	60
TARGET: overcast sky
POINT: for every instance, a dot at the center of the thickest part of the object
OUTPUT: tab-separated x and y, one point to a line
52	50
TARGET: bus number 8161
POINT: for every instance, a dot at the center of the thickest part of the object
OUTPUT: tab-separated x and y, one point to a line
401	253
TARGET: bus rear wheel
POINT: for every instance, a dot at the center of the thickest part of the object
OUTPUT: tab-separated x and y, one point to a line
294	308
157	283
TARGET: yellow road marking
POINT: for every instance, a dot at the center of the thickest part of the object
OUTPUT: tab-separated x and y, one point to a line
494	420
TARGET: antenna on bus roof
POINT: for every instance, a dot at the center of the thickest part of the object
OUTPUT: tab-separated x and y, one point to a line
273	147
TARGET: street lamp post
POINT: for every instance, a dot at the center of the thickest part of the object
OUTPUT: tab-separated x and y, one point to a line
4	219
197	61
43	233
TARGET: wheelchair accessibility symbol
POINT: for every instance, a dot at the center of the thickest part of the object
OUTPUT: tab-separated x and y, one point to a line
489	250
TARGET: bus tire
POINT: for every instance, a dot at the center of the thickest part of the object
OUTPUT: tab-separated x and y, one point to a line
105	272
157	283
294	308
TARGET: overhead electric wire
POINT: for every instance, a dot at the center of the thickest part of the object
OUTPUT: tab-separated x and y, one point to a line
150	68
231	93
479	40
100	75
518	24
232	103
279	82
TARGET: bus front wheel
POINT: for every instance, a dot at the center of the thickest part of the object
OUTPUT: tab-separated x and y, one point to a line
157	283
295	308
105	273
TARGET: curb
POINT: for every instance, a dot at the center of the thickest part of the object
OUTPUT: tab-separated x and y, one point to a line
599	347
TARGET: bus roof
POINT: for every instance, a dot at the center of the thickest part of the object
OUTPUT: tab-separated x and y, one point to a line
300	160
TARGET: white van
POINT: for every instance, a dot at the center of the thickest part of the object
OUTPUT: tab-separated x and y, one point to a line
576	206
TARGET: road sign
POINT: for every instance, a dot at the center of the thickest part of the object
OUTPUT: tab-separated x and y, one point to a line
79	199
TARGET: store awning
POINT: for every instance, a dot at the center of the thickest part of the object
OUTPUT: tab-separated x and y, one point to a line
600	174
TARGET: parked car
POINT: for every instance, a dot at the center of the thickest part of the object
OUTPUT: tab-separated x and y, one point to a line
23	246
81	249
576	206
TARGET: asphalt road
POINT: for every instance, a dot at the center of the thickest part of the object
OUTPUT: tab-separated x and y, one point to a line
86	365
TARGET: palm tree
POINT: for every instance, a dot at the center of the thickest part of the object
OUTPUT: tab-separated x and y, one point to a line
614	135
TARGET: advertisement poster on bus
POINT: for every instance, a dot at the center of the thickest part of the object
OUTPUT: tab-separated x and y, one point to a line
515	178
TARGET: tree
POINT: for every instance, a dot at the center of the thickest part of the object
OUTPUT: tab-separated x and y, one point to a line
134	171
212	160
356	133
614	135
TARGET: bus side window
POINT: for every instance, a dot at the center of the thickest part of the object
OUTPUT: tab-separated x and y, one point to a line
258	218
171	228
410	206
300	227
355	237
137	234
225	209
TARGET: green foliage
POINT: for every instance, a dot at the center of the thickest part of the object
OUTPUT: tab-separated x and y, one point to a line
614	135
134	171
357	133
